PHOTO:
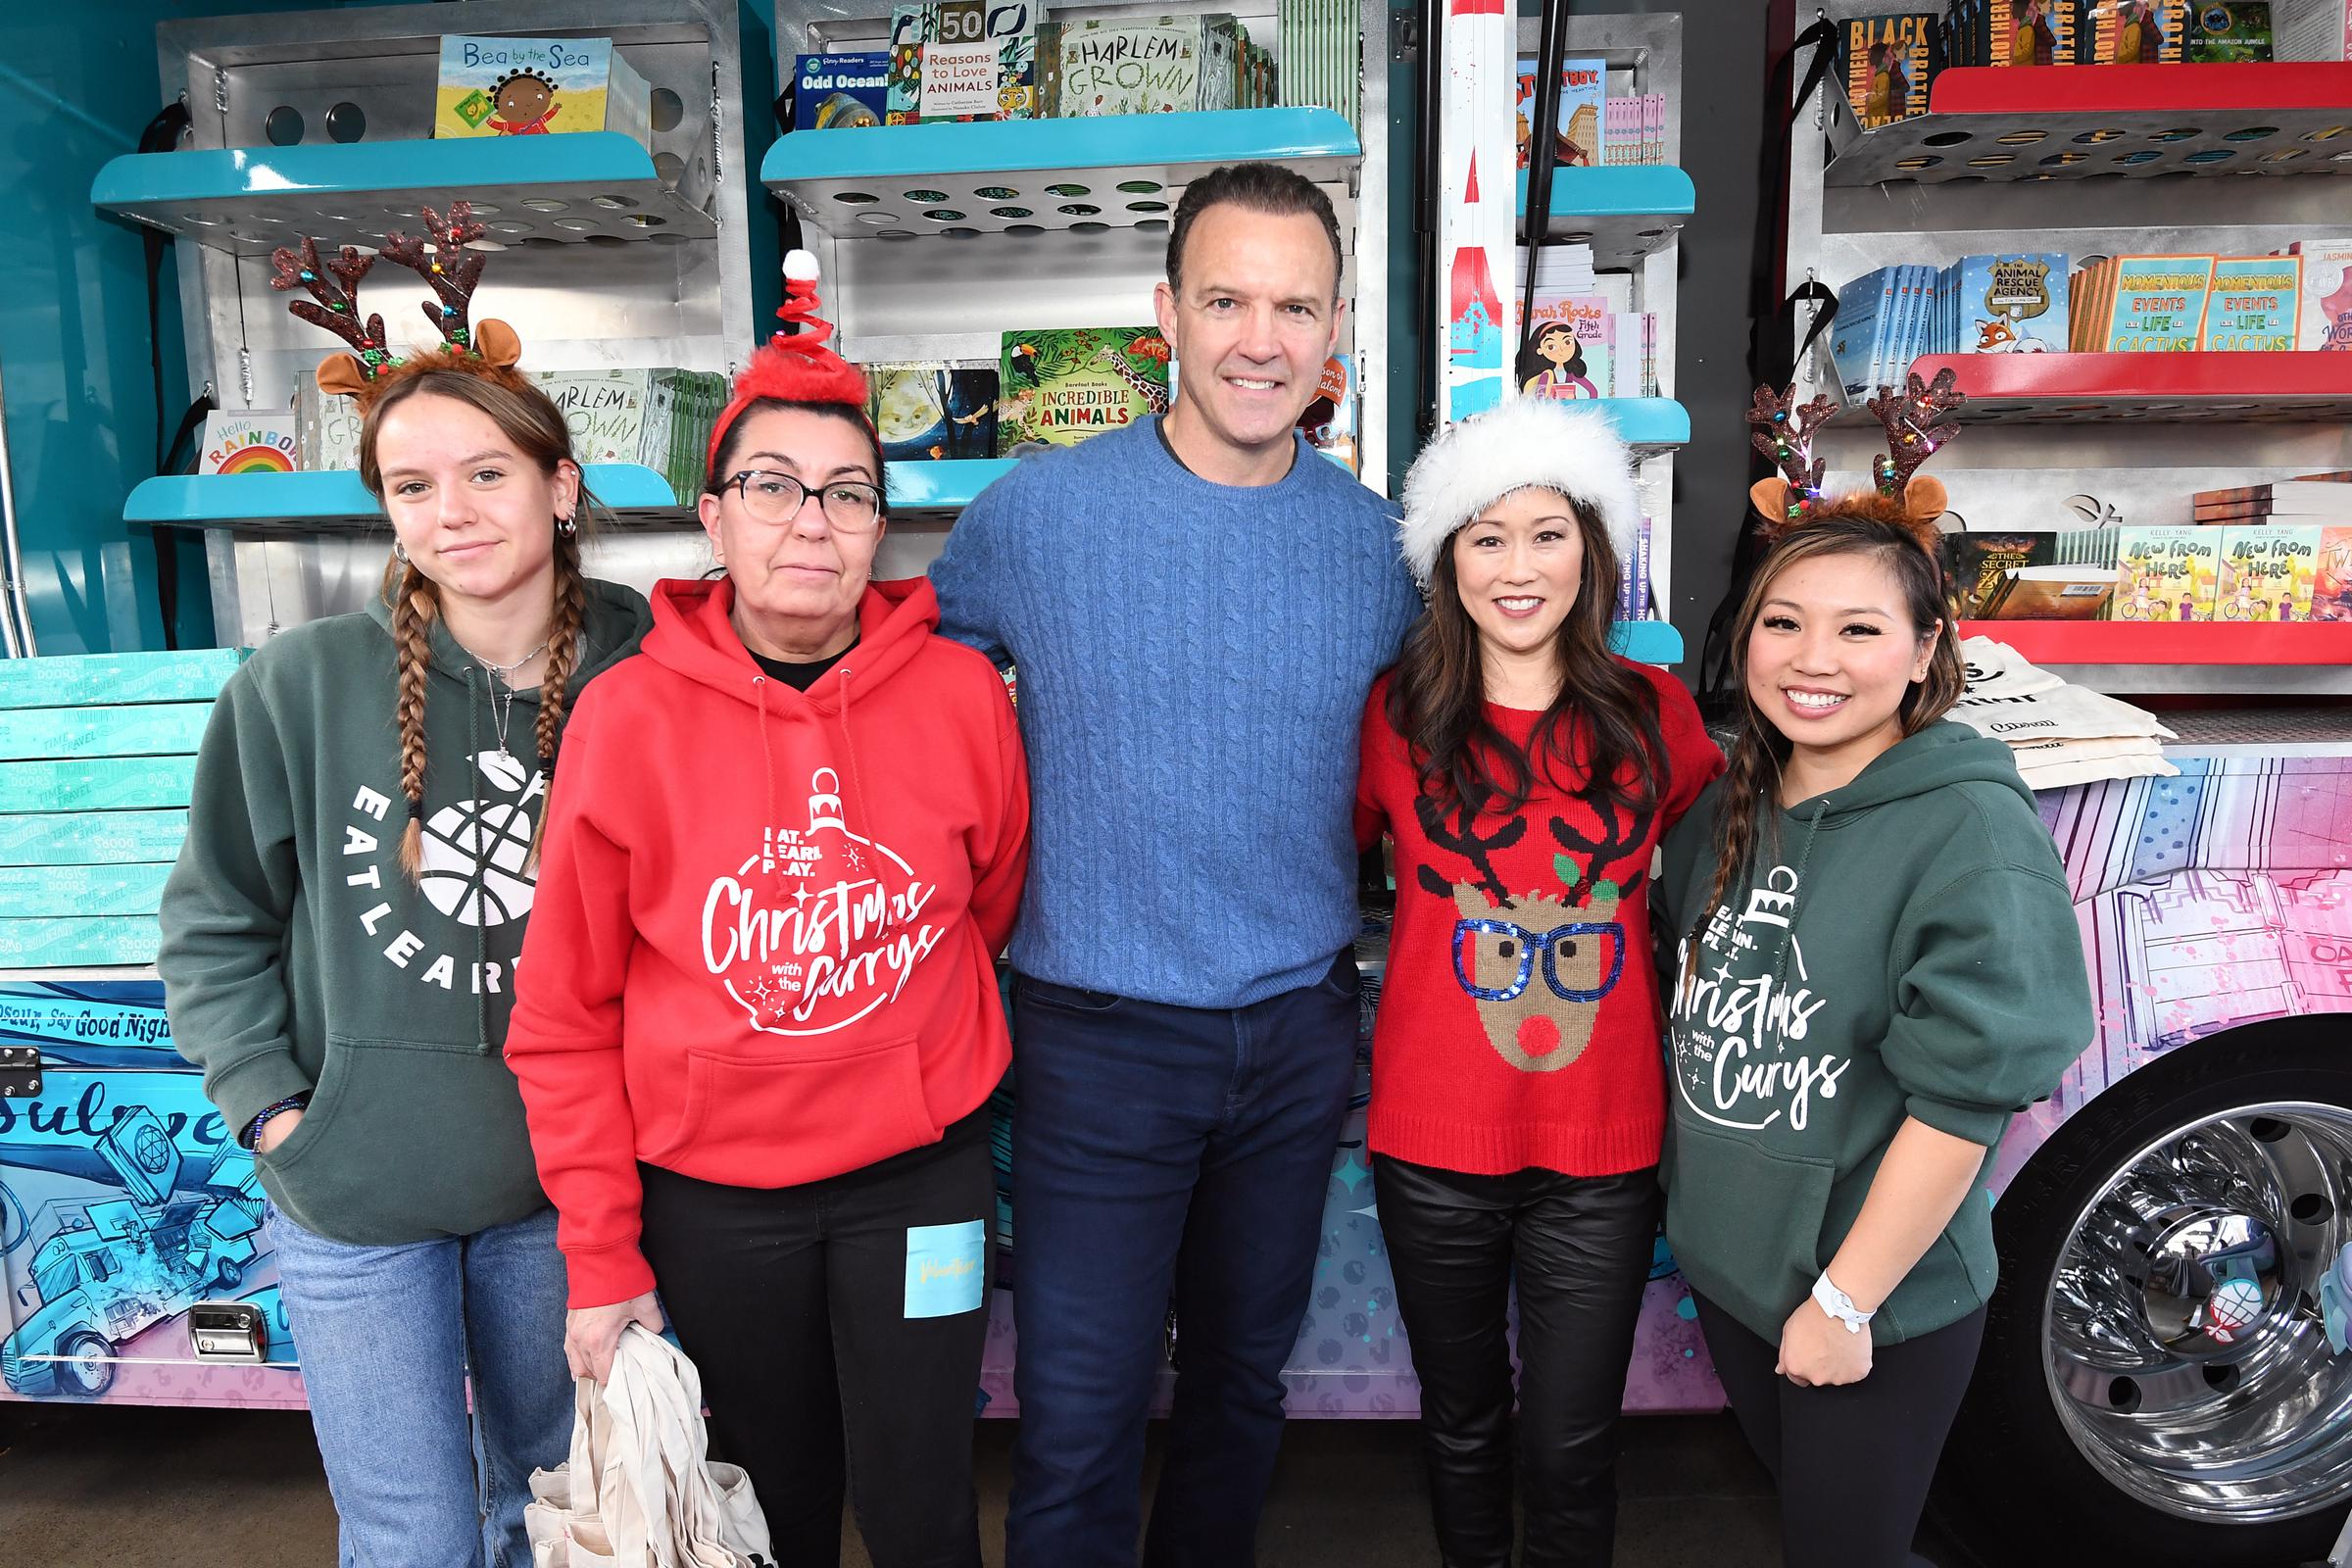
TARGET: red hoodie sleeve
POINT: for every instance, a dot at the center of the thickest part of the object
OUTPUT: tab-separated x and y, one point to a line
996	881
563	1042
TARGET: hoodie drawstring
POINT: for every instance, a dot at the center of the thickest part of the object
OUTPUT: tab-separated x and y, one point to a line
481	923
849	744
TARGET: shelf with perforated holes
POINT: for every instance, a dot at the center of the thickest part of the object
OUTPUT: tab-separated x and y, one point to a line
2080	122
1028	177
1623	211
587	185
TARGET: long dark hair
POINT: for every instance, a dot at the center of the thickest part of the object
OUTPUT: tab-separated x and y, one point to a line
1855	527
1604	710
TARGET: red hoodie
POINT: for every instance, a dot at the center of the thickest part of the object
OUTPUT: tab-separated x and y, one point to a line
762	951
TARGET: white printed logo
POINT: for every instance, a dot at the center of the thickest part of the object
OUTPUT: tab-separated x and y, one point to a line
1738	1037
820	926
477	853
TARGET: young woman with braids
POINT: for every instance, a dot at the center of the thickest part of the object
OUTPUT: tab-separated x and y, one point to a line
341	931
1526	775
1877	965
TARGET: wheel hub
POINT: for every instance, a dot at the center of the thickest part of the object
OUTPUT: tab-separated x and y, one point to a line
2183	1342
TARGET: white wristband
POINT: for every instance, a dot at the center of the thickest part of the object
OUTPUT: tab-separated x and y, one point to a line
1840	1306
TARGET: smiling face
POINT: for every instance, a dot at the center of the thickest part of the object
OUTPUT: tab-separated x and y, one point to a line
524	100
1518	566
1257	315
1831	657
474	515
796	582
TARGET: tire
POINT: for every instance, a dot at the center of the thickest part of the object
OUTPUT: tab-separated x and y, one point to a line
84	1379
2155	1385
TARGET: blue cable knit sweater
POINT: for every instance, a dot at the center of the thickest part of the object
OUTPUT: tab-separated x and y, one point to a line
1193	662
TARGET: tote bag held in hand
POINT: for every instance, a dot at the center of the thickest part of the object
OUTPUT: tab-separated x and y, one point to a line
638	1492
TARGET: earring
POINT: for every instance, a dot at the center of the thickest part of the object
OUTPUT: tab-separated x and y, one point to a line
400	552
565	526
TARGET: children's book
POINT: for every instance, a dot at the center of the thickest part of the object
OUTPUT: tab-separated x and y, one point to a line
2231	33
2169	574
1889	62
1579	139
1568	354
2326	317
2331	575
2267	572
2159	303
247	443
2139	32
2254	304
2050	593
841	91
1975	565
926	411
1058	386
2010	304
1853	336
538	87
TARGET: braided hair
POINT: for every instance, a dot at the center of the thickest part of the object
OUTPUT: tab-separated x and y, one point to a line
530	420
1864	523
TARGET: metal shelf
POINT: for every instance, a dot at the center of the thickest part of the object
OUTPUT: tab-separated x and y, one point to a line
1987	123
947	485
247	201
1623	211
306	503
2142	388
1026	176
2202	657
1647	641
1648	424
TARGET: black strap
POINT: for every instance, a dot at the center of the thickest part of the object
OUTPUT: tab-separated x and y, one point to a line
1773	350
161	136
1542	147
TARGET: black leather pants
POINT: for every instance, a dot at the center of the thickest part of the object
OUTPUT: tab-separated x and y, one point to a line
1580	1249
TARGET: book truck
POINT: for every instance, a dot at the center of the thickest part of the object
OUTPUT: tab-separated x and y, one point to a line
788	782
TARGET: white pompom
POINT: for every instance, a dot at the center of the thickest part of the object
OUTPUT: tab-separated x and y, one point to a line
800	266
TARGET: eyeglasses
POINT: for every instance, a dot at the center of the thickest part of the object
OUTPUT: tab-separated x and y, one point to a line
1560	942
850	505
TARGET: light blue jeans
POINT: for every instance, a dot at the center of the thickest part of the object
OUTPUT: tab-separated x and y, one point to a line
386	1335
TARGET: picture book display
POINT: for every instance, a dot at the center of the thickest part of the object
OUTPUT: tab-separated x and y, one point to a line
841	91
1580	139
538	87
247	443
2267	572
2139	32
1141	65
2231	33
2324	319
1058	386
2159	303
2254	305
964	59
2169	574
924	411
1888	60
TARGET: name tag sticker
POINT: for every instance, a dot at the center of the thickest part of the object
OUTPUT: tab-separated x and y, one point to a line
947	1265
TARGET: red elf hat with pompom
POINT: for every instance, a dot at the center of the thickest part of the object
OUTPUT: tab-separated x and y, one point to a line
794	367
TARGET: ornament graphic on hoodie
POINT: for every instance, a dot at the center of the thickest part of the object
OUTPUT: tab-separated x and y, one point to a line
1742	1003
1538	966
819	926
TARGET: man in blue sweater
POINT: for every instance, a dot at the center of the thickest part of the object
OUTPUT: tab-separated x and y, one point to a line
1197	605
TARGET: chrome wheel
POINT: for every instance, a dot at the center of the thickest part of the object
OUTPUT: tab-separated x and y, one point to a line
2182	1337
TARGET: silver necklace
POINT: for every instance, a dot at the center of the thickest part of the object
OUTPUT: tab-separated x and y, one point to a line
502	713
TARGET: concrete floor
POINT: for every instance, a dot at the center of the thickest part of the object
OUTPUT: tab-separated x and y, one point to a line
81	1488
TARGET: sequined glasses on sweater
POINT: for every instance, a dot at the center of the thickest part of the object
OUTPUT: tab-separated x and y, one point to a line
1514	943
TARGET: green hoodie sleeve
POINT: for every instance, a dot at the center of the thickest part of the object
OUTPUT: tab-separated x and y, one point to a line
224	912
1993	1002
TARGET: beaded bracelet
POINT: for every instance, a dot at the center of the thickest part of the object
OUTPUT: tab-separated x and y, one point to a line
253	1128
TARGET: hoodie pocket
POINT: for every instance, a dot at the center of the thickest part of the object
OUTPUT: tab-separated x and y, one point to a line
839	1110
1744	1223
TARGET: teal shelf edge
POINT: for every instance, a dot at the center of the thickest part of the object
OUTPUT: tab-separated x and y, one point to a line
947	485
1221	136
219	500
1618	190
1647	641
1653	423
583	158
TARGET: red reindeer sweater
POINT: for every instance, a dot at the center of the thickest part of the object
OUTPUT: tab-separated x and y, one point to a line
1519	1023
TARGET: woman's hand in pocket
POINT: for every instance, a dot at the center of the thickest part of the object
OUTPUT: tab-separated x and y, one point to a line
276	1130
1818	1350
591	1334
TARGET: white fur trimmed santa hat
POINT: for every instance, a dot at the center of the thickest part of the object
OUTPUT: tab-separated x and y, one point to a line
1473	462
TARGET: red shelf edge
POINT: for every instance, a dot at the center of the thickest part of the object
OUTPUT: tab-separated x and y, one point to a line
2254	376
2125	642
2254	88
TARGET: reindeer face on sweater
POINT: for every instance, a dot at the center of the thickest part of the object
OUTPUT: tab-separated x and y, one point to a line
1538	968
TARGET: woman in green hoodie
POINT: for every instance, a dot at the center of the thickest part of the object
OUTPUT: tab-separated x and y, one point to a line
339	943
1877	965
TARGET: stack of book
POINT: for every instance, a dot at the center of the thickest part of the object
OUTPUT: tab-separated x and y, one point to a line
2188	304
2285	548
2060	734
1593	128
1588	341
1322	62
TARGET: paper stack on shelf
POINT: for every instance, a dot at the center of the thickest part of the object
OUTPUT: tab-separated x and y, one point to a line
2061	734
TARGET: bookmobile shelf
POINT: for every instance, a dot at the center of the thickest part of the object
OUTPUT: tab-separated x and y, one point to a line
1623	212
2205	658
2081	122
1027	176
2149	388
1648	642
249	200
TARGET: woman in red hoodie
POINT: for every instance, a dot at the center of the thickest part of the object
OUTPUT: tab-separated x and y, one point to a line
756	1021
1518	1098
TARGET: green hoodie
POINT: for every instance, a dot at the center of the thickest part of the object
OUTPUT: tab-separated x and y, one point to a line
1906	948
298	959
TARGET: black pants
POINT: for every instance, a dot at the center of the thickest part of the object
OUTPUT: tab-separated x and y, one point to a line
1852	1462
1581	1247
794	1305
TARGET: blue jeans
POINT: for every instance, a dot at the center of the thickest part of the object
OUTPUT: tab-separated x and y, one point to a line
1160	1150
386	1335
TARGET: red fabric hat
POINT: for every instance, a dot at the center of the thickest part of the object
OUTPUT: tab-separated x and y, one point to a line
795	368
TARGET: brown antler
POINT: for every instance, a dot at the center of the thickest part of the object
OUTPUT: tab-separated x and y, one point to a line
1618	837
338	302
449	268
1917	420
1466	841
1785	434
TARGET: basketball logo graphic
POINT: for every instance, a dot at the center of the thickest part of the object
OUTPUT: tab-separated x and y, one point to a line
477	852
2237	1305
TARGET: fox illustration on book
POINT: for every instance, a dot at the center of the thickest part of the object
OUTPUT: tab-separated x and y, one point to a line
1537	964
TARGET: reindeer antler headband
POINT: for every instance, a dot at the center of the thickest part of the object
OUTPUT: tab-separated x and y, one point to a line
489	350
1917	420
